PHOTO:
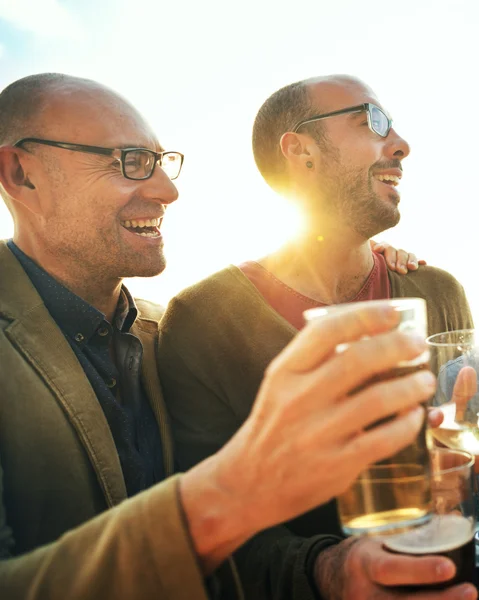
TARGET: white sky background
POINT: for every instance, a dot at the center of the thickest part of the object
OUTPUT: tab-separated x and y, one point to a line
200	70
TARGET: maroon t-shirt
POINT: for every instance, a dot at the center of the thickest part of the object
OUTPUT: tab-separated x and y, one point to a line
290	304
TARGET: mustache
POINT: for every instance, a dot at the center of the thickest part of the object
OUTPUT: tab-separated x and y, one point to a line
395	163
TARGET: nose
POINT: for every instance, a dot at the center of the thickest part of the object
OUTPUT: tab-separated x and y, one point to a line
159	188
396	146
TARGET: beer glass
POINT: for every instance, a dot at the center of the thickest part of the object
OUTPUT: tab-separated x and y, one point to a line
455	361
450	531
393	495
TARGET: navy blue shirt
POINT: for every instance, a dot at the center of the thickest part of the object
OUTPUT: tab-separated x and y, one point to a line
115	381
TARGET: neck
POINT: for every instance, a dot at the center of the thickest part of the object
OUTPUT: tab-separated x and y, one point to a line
330	269
96	289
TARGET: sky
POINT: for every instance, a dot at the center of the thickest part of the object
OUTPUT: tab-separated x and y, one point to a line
199	71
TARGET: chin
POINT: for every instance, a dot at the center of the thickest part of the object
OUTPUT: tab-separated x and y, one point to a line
150	269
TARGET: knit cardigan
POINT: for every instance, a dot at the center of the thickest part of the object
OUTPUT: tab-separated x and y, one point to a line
216	340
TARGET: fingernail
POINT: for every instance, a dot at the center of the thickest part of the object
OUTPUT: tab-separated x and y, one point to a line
469	593
413	265
417	339
403	269
427	378
445	569
393	264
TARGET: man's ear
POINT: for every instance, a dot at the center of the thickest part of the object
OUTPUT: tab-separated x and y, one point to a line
297	149
15	179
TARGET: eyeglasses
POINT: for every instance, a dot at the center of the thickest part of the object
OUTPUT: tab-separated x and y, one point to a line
378	121
136	163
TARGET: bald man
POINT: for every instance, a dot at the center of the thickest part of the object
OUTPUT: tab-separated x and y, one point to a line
329	146
88	504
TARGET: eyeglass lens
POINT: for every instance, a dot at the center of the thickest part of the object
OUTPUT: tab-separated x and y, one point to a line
379	121
138	164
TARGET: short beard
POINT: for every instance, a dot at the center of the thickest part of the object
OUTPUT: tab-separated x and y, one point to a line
353	201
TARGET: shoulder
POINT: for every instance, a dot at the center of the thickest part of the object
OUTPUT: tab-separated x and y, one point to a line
220	285
427	280
149	310
226	292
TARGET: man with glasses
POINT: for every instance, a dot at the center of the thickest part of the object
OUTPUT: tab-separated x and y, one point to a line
88	506
329	146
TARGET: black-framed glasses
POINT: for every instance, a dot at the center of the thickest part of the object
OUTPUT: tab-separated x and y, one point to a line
136	163
378	121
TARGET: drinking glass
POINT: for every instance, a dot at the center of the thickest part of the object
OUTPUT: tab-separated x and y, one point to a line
455	361
450	532
394	494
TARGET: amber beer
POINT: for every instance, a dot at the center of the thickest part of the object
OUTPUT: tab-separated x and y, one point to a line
395	493
449	535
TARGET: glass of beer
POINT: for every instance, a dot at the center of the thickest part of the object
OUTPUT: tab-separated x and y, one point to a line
393	495
450	532
455	361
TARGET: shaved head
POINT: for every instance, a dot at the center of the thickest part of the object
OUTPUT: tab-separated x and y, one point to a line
281	111
25	103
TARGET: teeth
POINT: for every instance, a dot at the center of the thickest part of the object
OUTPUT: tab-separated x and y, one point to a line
393	178
142	223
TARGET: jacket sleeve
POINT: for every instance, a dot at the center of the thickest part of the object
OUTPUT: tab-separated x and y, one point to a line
140	549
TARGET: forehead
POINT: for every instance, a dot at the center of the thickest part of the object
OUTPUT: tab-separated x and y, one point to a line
94	117
333	95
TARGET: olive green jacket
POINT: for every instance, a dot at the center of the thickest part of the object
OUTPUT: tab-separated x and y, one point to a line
60	471
216	339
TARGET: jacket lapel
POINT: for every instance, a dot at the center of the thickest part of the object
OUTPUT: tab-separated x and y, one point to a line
34	333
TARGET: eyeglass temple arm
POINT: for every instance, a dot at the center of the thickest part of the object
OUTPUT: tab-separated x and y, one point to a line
343	111
66	146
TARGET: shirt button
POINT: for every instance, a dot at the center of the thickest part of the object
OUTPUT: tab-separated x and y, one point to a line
103	331
111	383
79	337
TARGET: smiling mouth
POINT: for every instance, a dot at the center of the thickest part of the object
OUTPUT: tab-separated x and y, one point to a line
143	227
392	180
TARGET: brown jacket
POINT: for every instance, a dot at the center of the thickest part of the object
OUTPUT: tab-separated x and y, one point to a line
60	471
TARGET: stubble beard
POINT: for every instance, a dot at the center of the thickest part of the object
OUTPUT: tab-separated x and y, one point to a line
353	202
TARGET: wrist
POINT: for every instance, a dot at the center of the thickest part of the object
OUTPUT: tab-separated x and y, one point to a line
216	508
330	569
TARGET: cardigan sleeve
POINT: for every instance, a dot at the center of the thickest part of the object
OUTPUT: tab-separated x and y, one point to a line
140	549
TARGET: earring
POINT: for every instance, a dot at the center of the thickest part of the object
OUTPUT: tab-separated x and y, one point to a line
309	164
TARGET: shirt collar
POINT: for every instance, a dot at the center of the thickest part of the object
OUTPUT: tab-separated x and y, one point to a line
76	318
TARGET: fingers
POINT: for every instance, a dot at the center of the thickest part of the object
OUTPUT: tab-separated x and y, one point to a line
383	440
366	359
388	569
380	401
464	389
320	337
456	592
397	260
435	417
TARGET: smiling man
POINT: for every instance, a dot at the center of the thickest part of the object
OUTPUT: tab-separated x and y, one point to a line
88	509
329	146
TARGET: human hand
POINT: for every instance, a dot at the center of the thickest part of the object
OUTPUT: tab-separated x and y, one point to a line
306	415
397	260
310	432
362	568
